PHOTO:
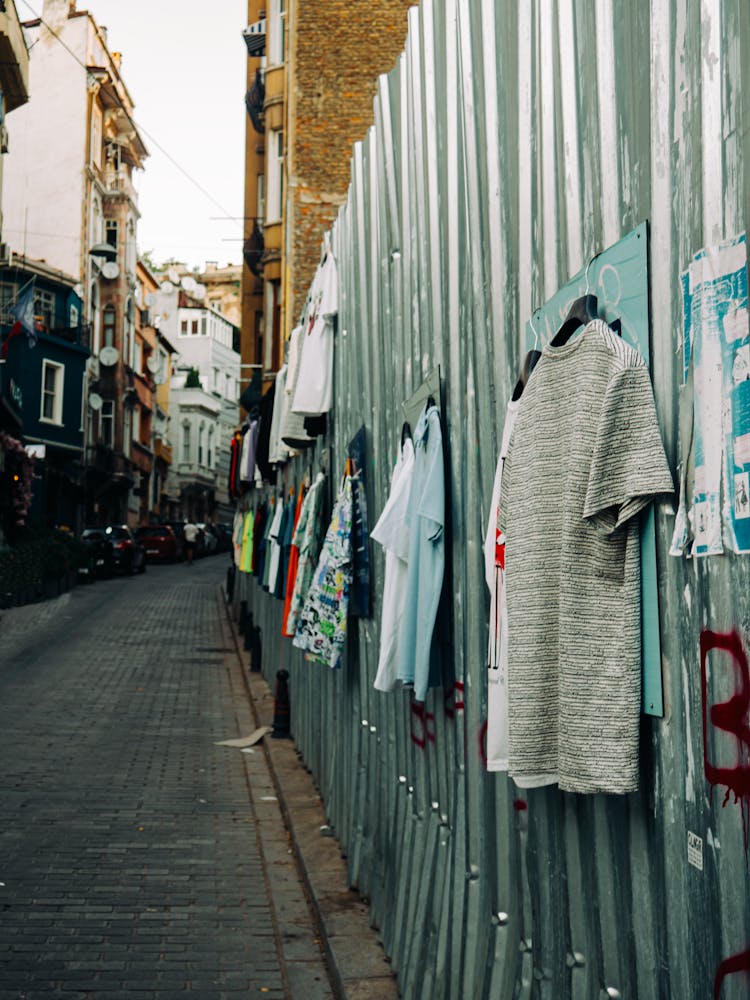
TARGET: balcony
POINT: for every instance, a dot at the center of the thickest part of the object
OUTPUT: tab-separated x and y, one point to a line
254	101
163	451
253	250
255	38
120	182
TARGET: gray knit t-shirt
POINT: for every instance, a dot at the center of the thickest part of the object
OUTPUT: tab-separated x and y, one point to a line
585	457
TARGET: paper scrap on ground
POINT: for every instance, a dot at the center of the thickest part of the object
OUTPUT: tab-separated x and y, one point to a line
246	741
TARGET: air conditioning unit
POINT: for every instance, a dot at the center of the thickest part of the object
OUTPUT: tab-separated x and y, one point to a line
5	255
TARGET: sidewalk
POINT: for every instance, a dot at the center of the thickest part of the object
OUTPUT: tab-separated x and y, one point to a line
360	969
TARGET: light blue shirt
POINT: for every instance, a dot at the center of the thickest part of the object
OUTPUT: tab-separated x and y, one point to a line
426	562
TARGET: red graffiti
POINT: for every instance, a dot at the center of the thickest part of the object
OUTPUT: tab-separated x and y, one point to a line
520	805
454	699
730	966
482	737
426	733
730	717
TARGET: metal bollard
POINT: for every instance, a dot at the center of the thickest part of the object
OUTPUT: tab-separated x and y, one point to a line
230	582
249	629
242	621
256	650
281	706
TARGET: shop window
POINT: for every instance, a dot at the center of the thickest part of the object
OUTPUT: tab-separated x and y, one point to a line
52	392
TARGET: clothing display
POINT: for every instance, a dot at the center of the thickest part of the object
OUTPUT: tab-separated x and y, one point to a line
259	526
321	630
313	393
249	449
238	529
246	552
584	458
391	531
291	576
269	536
286	533
426	561
307	539
265	417
497	651
293	431
278	452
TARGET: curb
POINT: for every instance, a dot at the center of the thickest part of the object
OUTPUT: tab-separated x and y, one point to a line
358	966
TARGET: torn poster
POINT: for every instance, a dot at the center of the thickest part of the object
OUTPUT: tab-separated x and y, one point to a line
714	509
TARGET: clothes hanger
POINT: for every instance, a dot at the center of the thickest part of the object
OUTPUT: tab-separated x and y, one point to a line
529	364
582	311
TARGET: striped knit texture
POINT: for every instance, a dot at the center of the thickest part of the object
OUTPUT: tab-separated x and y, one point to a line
585	457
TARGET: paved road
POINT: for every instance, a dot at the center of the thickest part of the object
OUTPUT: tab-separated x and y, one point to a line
138	859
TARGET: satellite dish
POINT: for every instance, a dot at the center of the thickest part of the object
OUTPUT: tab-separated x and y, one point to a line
110	270
199	290
167	287
95	401
109	356
173	275
153	364
189	283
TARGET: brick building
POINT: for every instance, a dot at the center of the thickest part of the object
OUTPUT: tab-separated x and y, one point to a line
312	76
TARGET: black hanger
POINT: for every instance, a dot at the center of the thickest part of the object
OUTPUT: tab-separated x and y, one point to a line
616	326
405	432
583	310
528	367
430	401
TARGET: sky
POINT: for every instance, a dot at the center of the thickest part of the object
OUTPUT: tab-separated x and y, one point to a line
184	63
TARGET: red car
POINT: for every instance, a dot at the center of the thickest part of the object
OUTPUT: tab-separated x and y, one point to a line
159	541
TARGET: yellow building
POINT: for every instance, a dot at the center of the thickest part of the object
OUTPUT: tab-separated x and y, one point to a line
312	75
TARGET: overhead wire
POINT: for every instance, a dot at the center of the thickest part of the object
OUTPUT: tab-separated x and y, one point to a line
137	125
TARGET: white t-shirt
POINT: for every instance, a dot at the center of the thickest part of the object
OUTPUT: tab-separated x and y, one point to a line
497	652
392	533
314	392
191	533
278	452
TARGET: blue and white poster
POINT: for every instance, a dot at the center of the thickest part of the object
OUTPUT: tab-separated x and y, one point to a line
716	338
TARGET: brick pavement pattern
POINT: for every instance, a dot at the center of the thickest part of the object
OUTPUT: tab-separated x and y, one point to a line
138	859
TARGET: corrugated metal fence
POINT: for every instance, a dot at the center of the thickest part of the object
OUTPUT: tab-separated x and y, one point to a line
512	141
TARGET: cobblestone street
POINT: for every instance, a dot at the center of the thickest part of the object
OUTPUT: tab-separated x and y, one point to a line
137	858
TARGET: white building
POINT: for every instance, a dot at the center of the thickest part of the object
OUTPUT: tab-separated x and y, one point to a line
203	415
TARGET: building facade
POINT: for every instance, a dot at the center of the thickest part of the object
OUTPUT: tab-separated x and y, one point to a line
69	198
312	77
14	81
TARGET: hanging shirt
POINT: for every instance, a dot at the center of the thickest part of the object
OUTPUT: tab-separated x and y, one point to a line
291	575
584	459
249	448
278	452
273	549
246	555
293	431
426	562
392	533
286	533
238	527
314	391
307	538
359	604
321	630
497	651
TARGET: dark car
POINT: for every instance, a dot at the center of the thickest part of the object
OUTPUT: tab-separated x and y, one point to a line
159	541
128	555
100	562
178	527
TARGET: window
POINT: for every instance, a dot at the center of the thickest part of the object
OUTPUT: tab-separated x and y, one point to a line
94	315
228	386
210	447
44	309
201	439
277	33
7	299
275	160
261	197
127	332
203	326
108	326
186	443
111	232
52	390
183	328
107	423
138	357
96	136
127	430
215	384
73	316
137	424
194	328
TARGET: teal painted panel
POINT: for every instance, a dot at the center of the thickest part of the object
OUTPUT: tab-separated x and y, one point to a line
619	278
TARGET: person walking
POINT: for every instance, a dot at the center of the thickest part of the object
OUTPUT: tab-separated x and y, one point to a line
191	534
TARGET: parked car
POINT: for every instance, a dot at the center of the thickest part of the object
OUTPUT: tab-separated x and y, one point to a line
128	555
100	561
159	541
